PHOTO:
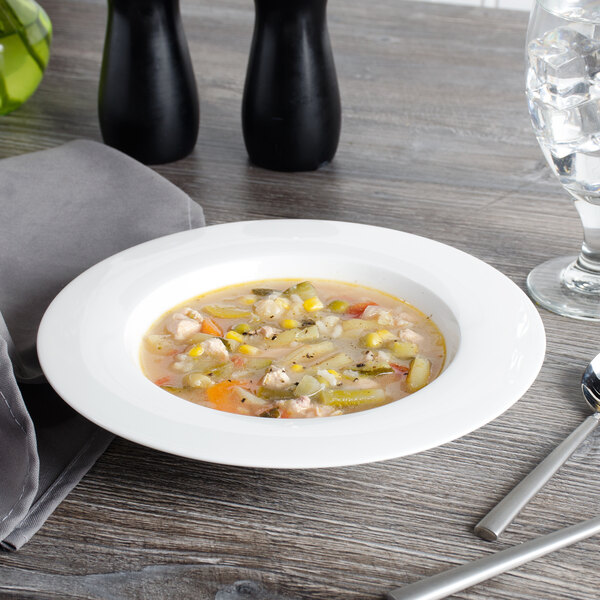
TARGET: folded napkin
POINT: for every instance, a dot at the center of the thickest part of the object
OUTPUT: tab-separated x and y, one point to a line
62	210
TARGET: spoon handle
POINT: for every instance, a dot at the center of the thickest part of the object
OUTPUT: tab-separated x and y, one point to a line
451	581
494	523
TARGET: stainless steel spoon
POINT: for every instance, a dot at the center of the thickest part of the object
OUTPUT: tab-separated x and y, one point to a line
494	523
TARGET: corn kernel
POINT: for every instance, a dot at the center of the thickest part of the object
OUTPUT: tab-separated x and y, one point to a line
234	335
290	323
385	335
372	340
242	328
297	368
248	300
196	350
313	304
247	349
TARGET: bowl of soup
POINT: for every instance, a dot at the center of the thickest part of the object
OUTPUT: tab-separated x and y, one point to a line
291	343
288	349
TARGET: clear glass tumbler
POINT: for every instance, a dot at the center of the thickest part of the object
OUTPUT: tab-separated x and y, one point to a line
563	92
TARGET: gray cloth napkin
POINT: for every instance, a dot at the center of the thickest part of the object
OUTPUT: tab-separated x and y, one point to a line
62	210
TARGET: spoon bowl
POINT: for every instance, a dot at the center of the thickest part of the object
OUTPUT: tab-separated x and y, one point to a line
494	523
590	383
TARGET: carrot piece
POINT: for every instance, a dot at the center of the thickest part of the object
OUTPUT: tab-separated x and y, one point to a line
356	310
399	369
162	380
223	395
211	327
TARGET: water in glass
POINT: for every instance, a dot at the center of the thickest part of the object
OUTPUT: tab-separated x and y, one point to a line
563	93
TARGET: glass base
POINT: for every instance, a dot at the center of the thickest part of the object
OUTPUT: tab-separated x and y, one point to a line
559	286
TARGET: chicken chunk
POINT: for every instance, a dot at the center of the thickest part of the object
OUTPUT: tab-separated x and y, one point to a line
325	411
408	335
267	331
268	308
183	363
299	405
215	348
276	378
368	356
304	407
182	327
399	320
330	326
386	318
193	314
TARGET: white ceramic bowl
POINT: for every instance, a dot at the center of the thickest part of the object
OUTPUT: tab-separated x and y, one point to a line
90	336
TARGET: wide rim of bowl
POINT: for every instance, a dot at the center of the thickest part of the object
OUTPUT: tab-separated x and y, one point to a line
89	338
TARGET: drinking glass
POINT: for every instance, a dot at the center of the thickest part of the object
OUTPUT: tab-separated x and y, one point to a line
563	93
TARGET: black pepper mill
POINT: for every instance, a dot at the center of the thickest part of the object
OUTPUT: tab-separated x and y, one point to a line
291	111
148	101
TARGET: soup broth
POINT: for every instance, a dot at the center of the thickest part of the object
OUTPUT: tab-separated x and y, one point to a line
293	349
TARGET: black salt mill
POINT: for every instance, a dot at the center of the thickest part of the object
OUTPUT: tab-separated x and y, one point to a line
291	111
148	100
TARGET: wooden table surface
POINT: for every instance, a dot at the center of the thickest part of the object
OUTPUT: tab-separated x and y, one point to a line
436	141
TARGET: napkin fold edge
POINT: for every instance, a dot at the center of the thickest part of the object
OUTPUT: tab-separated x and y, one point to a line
58	491
19	415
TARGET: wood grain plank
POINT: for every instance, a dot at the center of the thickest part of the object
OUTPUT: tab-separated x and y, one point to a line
435	141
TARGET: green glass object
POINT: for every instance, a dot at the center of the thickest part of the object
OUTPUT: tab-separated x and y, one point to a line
25	35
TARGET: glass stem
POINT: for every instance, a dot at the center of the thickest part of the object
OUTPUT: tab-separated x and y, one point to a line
589	258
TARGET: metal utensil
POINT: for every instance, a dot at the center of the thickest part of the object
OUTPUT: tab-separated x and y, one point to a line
494	523
451	581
